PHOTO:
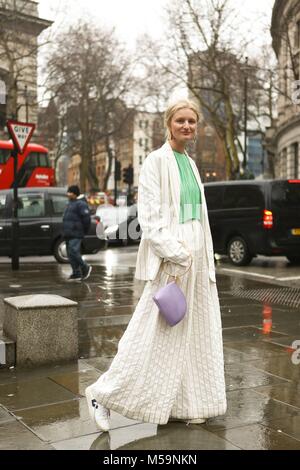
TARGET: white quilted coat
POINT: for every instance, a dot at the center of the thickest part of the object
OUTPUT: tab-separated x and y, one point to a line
161	372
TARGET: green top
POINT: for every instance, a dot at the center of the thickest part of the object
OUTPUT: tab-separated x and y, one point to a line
190	193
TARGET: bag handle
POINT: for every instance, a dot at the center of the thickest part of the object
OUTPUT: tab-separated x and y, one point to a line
179	275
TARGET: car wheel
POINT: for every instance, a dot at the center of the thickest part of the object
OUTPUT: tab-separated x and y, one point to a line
238	252
294	259
60	251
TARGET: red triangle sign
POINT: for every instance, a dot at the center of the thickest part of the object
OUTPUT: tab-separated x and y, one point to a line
21	133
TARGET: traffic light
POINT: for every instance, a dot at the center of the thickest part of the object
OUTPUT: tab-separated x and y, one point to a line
117	170
128	175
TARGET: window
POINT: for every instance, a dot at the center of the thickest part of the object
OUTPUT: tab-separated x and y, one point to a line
298	35
146	124
141	142
213	197
59	203
44	160
285	195
296	159
32	160
36	159
2	92
31	205
4	156
296	66
141	160
2	206
241	197
2	103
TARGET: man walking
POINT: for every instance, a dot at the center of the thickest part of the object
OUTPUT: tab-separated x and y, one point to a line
76	224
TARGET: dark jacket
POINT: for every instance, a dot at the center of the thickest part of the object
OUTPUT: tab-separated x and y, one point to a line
76	219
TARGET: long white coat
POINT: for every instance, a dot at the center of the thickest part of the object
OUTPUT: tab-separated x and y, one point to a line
161	372
158	213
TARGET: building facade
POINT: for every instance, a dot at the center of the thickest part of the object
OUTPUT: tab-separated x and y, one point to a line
20	27
285	138
142	133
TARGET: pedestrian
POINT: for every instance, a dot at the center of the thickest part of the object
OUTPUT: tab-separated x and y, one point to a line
76	224
163	373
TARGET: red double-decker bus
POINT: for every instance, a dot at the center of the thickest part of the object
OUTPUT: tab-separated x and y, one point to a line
34	168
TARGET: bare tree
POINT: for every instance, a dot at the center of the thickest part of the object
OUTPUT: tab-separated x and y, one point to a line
90	76
202	55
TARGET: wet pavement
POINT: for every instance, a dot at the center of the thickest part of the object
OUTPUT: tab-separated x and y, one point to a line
45	408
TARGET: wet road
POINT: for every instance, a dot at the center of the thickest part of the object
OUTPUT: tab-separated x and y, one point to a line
45	408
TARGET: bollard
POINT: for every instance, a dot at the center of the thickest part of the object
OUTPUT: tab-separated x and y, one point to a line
44	328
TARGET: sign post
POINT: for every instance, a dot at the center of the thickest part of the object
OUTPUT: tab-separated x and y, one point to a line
20	133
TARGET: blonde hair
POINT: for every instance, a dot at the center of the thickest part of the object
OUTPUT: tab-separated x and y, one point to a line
173	108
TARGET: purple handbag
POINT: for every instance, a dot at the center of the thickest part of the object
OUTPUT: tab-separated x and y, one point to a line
171	301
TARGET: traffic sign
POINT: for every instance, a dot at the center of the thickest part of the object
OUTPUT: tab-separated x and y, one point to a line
21	133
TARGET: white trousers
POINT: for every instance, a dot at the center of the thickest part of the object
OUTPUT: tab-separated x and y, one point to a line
161	371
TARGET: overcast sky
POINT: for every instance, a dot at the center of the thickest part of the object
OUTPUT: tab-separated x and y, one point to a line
132	18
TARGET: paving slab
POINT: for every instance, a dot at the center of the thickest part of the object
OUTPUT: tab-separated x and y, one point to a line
258	437
5	416
288	393
171	436
247	407
258	350
288	425
244	376
15	436
31	393
76	382
282	366
78	443
248	333
67	420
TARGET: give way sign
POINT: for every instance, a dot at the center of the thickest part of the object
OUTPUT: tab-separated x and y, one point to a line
21	133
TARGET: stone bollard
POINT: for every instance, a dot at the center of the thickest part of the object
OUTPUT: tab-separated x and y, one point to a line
44	327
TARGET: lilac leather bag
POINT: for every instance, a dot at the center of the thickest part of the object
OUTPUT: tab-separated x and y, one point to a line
171	301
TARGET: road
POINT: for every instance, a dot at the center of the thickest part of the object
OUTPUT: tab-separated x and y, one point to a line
275	270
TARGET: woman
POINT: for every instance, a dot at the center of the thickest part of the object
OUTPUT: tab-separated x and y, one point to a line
160	372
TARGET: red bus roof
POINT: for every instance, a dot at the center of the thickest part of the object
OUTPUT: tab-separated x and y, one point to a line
8	144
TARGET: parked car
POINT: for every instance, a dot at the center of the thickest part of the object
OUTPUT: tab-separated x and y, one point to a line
40	212
120	224
250	218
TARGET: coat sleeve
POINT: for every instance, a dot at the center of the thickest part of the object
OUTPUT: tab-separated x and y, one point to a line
85	216
153	218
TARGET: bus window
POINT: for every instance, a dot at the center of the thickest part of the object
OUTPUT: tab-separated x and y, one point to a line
2	205
44	160
32	160
4	156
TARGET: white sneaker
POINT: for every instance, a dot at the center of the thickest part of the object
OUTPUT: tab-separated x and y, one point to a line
196	421
188	421
87	273
98	413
